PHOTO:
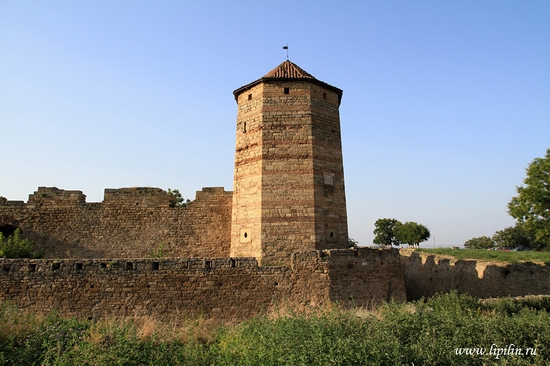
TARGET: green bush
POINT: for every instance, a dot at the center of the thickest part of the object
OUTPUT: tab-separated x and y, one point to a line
15	247
436	331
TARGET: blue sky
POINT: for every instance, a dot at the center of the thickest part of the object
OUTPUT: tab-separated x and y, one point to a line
444	106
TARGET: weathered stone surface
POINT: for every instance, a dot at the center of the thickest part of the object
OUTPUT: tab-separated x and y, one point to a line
427	274
289	181
130	222
224	288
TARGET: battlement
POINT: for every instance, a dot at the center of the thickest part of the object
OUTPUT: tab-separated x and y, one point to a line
53	196
137	197
57	267
131	197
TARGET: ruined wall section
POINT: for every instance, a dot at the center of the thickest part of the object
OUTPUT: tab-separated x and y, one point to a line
130	222
427	274
223	288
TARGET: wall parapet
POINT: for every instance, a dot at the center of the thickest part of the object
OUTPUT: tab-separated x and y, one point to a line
53	196
426	274
121	265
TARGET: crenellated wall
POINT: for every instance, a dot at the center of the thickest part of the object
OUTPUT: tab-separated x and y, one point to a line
224	288
426	274
130	222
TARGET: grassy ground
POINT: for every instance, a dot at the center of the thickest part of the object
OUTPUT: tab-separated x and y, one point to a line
445	330
499	255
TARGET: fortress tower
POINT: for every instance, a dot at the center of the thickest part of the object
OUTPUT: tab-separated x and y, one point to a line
288	193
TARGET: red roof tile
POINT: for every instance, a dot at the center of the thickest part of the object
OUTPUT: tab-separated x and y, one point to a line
288	70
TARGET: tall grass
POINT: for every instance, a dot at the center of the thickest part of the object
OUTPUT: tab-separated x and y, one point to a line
489	255
421	333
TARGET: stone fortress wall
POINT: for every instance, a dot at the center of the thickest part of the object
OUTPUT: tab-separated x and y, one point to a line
222	288
119	275
111	265
130	222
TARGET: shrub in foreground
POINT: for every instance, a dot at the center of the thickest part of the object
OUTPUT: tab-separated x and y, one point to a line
447	329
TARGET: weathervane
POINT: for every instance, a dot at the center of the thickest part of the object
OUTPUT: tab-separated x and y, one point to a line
286	48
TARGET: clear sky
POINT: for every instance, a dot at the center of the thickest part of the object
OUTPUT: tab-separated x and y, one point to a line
445	102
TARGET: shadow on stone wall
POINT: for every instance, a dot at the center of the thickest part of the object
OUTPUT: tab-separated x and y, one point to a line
427	274
51	247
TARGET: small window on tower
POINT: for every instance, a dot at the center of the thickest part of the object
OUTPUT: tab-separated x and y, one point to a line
287	90
249	96
325	96
244	127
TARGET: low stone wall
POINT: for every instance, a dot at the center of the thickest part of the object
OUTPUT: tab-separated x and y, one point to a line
427	274
223	288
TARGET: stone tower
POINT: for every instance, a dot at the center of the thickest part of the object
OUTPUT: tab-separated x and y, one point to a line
288	193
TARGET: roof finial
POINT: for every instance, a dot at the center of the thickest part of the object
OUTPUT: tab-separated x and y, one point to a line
286	48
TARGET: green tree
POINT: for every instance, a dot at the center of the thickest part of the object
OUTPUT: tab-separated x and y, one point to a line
352	243
511	237
482	242
15	247
531	207
177	199
383	231
411	233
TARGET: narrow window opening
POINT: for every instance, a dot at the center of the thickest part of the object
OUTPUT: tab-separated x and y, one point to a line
331	234
287	90
232	263
189	265
207	265
155	266
129	266
56	266
244	127
103	265
32	267
245	235
324	96
249	96
6	268
78	266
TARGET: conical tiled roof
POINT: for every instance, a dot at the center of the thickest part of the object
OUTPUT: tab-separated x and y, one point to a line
288	70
